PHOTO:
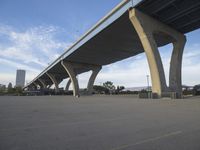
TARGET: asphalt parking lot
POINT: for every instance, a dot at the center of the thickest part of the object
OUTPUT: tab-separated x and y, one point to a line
99	123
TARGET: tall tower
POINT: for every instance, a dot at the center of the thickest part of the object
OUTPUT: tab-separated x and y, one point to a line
20	78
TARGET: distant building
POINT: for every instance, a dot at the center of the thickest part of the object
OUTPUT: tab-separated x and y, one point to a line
20	78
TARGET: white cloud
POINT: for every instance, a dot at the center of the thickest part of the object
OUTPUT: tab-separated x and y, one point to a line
35	45
130	72
13	64
32	49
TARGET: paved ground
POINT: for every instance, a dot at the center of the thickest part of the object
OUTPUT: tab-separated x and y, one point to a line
99	123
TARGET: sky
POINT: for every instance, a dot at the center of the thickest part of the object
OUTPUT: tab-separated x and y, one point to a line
33	33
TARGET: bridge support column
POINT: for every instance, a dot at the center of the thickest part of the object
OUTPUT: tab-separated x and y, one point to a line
35	86
148	29
72	74
175	77
49	86
67	85
42	83
93	76
31	87
54	81
71	68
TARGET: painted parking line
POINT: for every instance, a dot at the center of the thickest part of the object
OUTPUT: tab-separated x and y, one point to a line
148	140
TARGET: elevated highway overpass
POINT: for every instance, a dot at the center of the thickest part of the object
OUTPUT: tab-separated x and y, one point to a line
131	28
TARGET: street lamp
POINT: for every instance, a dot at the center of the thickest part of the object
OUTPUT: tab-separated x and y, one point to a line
148	83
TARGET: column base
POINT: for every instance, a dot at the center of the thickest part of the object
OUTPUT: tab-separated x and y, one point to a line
150	95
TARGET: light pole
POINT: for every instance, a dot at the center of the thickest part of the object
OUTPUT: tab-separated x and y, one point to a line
148	89
148	83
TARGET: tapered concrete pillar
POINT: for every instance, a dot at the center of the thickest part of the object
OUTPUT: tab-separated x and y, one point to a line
71	68
54	81
71	72
146	28
30	87
35	86
49	86
42	83
93	76
175	77
67	85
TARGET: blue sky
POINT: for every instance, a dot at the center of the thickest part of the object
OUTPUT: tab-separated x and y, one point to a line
33	33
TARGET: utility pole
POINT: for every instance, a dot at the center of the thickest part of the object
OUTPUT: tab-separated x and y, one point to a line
148	83
148	88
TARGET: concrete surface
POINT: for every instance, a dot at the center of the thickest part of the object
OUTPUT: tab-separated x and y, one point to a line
99	123
149	30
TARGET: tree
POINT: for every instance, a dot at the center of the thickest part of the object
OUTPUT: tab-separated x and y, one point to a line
10	85
119	89
18	90
100	89
109	85
2	88
10	89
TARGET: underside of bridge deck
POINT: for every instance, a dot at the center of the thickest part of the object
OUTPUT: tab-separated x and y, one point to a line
112	40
